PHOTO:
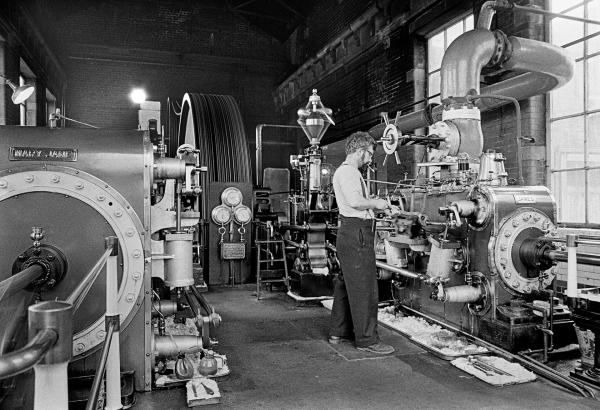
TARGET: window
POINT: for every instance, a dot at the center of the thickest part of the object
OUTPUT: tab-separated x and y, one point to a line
436	46
29	107
50	103
574	116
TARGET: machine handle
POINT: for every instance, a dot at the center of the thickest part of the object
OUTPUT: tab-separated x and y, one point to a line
20	361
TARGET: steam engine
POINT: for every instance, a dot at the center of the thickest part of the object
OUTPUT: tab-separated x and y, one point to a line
464	245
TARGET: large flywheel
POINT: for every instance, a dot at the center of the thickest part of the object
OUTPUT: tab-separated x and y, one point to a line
213	124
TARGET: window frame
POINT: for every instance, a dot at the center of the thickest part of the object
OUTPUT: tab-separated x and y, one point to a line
585	113
444	28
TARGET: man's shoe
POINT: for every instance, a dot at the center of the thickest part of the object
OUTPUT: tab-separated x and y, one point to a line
334	340
378	348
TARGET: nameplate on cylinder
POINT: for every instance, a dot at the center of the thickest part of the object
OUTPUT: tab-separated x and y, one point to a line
524	199
42	154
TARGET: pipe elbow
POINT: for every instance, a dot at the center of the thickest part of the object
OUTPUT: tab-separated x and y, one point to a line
541	58
463	61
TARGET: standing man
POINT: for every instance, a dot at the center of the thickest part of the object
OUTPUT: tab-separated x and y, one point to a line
354	311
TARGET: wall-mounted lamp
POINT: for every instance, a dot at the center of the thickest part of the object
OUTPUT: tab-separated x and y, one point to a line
21	93
138	95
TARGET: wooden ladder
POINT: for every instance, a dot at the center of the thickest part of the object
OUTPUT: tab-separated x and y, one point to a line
259	262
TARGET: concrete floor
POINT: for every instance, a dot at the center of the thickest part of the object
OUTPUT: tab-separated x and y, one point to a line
279	358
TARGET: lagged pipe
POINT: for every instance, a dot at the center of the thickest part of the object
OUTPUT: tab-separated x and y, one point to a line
543	66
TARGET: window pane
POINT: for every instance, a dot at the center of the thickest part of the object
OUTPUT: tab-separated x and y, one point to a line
433	84
435	52
593	87
566	143
453	31
568	99
593	14
469	23
565	31
593	198
569	189
557	6
593	141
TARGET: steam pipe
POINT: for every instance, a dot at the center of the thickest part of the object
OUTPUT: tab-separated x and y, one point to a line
164	307
463	61
487	12
171	345
401	271
463	294
259	129
548	67
20	361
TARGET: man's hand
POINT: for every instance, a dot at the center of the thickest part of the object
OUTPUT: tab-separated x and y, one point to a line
381	204
392	210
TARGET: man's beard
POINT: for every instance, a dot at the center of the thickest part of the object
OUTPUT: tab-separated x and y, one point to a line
365	166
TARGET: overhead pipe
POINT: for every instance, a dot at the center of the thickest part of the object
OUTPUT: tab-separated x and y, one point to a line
487	12
543	67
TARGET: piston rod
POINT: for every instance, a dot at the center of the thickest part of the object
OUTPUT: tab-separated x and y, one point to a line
21	279
583	258
400	271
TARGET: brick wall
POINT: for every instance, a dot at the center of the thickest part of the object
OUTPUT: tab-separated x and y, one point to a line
391	76
169	48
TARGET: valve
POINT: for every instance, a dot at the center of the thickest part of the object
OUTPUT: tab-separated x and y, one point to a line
390	138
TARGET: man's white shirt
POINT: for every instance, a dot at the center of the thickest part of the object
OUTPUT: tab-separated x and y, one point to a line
349	185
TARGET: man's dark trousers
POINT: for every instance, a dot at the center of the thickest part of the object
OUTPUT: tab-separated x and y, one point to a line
356	296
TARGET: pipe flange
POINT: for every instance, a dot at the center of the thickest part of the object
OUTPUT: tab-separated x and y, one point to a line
116	211
51	259
485	206
502	52
504	258
482	306
451	135
428	113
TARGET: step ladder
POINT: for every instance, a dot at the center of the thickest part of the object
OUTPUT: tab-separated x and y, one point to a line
265	246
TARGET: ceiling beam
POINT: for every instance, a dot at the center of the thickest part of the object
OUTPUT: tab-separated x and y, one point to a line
289	8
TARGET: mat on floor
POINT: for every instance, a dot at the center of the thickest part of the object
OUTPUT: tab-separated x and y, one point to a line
494	370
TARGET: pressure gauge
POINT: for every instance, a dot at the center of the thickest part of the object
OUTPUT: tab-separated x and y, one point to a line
221	215
231	197
242	214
